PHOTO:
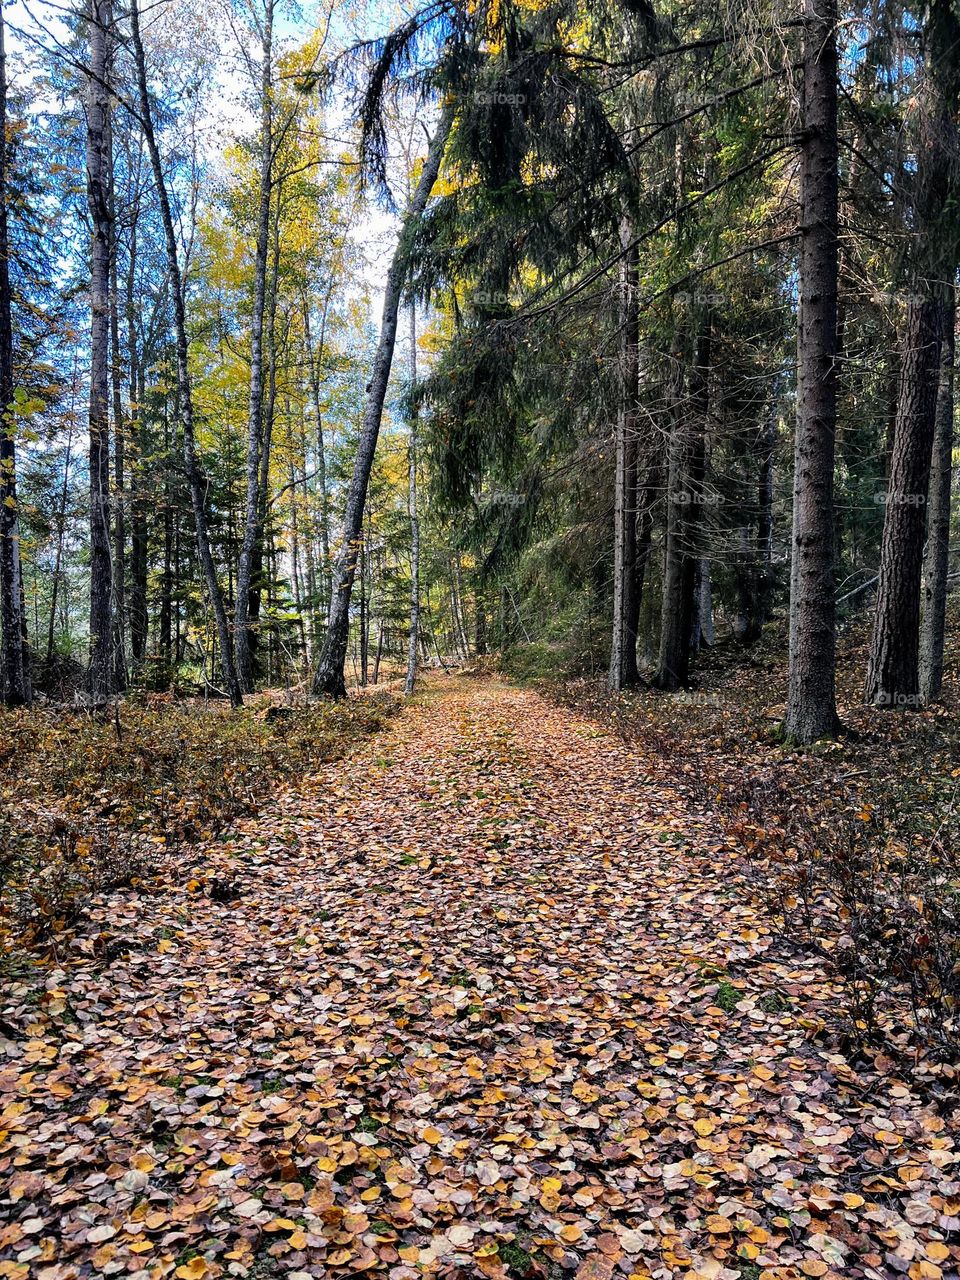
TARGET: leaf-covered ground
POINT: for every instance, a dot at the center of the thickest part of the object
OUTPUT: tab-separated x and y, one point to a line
487	999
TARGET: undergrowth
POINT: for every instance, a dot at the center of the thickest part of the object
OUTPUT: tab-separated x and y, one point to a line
854	845
90	804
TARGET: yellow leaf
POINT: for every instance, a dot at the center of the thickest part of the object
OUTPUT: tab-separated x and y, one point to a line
195	1269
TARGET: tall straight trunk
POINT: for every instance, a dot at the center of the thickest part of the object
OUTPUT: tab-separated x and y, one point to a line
461	604
893	671
15	675
119	464
61	531
650	478
252	531
765	514
674	629
937	552
99	166
314	363
309	551
697	468
14	665
329	677
139	620
379	654
626	602
195	479
414	517
364	609
684	510
268	424
811	698
702	633
482	622
166	577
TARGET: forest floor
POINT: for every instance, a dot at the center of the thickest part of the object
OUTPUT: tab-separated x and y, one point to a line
487	998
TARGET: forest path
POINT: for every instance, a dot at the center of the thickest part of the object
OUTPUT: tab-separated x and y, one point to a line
490	1000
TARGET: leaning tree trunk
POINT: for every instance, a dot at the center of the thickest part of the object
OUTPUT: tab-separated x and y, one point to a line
414	637
893	672
329	677
811	698
195	479
626	602
937	553
252	528
14	676
99	163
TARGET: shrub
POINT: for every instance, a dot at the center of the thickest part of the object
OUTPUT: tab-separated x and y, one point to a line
87	804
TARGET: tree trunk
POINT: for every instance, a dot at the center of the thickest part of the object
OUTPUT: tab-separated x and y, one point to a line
166	577
697	464
329	677
15	675
626	602
139	546
99	164
937	553
364	612
893	674
119	461
414	517
674	629
765	515
61	521
684	513
482	622
195	478
811	699
893	671
314	363
252	531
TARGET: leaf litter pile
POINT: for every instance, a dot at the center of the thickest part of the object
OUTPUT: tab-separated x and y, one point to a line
485	1000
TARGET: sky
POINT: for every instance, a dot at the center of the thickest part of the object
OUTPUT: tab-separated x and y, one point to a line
46	21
